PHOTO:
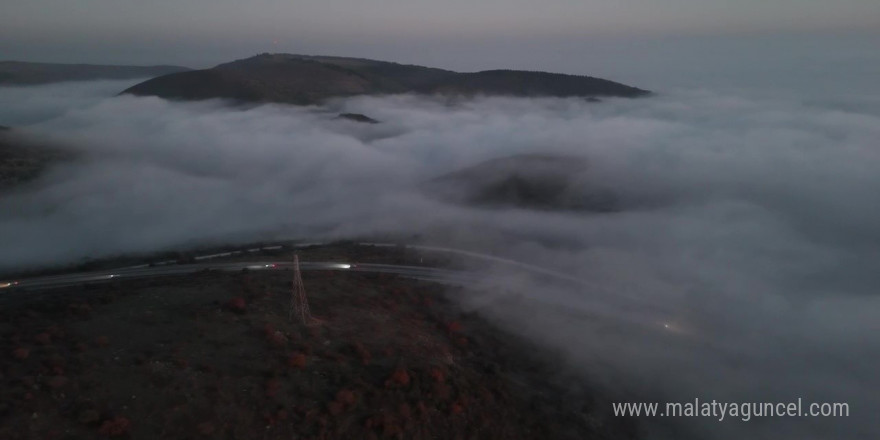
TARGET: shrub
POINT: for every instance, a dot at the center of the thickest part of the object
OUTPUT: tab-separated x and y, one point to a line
346	397
272	387
237	305
21	353
453	327
297	360
206	428
456	409
58	382
118	426
398	378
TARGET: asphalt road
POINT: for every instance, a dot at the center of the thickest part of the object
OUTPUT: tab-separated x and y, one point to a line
446	276
203	263
420	272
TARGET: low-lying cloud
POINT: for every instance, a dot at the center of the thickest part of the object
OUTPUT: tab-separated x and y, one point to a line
759	249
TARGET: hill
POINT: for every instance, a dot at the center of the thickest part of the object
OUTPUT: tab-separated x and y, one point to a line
24	73
305	80
531	181
530	84
215	355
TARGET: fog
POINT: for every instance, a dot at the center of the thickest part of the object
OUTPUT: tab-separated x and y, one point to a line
752	275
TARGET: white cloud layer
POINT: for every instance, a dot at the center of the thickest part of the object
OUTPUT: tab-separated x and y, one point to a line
759	247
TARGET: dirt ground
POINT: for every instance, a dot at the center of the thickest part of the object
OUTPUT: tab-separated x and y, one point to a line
215	355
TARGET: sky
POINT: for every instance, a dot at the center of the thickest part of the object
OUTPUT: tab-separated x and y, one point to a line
759	155
452	33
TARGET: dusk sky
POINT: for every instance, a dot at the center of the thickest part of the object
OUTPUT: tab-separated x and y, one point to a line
716	239
451	33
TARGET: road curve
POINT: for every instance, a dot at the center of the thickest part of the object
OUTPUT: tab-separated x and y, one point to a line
47	282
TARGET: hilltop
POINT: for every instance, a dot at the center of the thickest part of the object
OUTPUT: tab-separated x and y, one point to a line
25	73
306	80
530	181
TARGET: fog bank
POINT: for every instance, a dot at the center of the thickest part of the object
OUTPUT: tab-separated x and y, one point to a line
759	249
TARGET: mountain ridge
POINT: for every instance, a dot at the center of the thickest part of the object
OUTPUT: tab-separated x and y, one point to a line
312	79
33	73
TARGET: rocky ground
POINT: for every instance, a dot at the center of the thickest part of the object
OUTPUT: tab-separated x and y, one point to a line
216	355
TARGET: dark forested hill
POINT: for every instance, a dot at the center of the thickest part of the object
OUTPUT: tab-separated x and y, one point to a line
533	84
306	79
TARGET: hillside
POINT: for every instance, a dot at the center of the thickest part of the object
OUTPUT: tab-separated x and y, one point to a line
24	73
530	84
531	181
215	355
304	80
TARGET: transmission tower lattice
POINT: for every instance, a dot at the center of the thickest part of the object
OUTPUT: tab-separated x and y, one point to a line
299	302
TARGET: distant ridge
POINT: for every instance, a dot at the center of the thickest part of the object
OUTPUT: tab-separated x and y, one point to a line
310	79
25	73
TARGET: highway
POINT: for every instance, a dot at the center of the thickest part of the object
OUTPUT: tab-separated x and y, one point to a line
54	281
204	263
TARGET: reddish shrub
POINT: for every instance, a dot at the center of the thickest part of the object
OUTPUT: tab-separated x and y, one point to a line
391	429
55	331
363	353
58	382
269	418
461	341
102	341
335	408
277	339
437	374
442	391
237	305
453	327
297	360
43	338
88	416
456	409
21	353
405	411
118	426
399	378
346	397
273	386
206	428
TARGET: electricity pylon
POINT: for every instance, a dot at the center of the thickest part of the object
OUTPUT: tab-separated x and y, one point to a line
299	302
